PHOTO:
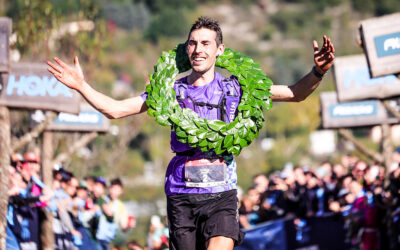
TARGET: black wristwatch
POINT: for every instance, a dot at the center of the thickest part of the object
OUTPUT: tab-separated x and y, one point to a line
317	74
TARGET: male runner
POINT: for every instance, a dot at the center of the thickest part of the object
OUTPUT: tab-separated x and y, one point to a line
201	215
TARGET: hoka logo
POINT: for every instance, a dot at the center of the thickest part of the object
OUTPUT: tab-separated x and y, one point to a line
37	86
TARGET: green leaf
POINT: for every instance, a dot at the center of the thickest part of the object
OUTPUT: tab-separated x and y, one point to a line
243	143
218	148
236	150
212	145
216	125
199	123
201	133
219	151
242	132
211	136
232	125
247	113
151	103
151	112
262	85
203	143
262	95
163	120
181	134
174	119
204	149
244	107
250	136
192	139
191	131
236	139
228	141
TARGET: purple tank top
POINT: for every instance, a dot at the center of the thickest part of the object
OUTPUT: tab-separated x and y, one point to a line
175	175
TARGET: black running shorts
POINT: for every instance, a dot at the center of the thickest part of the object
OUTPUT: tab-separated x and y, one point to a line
195	218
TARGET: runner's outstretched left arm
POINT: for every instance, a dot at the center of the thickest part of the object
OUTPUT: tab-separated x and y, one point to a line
323	60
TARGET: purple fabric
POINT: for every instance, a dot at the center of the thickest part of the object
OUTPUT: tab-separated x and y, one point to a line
175	178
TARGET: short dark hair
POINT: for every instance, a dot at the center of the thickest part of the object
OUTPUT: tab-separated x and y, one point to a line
208	23
116	181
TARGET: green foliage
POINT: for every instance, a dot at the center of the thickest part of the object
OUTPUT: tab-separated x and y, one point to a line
169	23
158	6
323	4
289	66
316	4
127	15
384	7
364	6
31	20
268	32
377	7
34	21
244	2
290	22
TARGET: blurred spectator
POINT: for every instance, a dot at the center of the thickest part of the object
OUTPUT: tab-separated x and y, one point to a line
134	245
272	202
248	216
121	218
102	225
158	235
90	181
359	169
119	209
260	182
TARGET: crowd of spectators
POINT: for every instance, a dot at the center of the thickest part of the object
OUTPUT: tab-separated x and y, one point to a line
363	195
87	213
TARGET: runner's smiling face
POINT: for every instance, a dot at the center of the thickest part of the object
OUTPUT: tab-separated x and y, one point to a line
203	50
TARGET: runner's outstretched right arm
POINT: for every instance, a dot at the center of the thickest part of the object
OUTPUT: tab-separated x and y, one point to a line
73	78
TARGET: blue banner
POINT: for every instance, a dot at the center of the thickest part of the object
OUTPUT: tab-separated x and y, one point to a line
84	118
270	235
317	233
387	45
354	109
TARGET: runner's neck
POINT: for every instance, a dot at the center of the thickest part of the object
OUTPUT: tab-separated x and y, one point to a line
201	79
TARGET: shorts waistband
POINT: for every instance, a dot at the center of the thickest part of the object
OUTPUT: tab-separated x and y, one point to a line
202	197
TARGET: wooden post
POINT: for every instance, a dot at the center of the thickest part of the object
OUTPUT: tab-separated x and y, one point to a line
5	31
4	164
361	147
387	146
47	236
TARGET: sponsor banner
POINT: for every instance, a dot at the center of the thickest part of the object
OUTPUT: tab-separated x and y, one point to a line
5	32
381	42
387	45
88	120
353	81
31	86
316	233
269	235
354	114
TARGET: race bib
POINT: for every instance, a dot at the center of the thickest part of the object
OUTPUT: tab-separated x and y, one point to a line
205	173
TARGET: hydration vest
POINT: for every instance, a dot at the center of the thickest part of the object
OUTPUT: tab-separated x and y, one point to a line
226	106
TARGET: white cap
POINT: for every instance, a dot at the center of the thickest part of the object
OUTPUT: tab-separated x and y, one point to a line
155	220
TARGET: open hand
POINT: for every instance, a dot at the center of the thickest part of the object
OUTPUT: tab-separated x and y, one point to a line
324	58
70	76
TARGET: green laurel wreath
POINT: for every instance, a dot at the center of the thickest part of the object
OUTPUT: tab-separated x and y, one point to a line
199	132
